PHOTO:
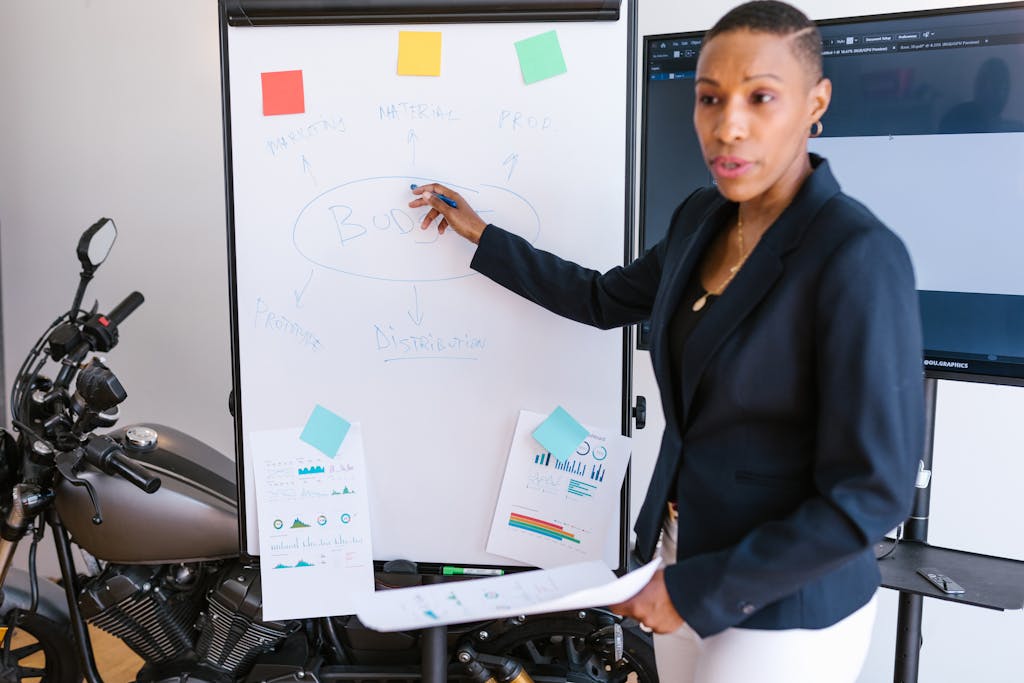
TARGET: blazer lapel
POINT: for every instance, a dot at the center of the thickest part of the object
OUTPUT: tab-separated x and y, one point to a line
686	256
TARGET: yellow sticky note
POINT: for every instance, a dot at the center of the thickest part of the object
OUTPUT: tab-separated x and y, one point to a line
419	53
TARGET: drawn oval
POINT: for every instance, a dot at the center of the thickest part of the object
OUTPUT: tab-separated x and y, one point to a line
366	228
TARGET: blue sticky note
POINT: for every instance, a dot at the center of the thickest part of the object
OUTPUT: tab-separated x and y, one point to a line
560	434
325	431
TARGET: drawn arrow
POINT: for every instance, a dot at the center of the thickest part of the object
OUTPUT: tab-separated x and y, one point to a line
510	161
411	139
416	317
299	294
307	168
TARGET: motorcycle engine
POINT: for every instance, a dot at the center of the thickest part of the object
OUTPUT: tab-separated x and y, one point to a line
190	615
234	633
153	609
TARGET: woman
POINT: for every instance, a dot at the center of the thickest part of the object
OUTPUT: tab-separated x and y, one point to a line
787	349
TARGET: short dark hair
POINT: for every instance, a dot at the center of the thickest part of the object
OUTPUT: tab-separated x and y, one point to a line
777	18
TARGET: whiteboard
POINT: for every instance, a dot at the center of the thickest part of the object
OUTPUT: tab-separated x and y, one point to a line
342	301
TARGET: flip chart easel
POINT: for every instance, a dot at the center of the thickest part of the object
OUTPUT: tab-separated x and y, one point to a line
339	300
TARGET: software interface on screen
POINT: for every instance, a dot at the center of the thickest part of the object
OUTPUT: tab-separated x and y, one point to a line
926	127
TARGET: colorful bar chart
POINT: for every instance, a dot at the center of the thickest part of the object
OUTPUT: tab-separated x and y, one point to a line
542	459
597	473
539	526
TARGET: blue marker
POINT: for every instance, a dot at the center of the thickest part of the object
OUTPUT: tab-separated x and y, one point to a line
449	202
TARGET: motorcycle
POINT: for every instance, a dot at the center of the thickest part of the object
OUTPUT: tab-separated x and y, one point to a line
153	512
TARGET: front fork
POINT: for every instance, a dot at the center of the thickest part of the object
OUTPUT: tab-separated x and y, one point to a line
26	504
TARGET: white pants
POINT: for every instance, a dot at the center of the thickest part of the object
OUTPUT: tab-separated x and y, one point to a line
835	654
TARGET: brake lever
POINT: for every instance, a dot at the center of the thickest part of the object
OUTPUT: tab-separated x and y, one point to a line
67	463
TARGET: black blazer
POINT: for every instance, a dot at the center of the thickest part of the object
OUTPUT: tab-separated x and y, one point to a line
793	434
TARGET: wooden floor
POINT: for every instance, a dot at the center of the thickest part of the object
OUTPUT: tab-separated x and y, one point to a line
116	663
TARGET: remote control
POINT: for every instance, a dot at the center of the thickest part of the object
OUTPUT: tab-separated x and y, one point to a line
941	581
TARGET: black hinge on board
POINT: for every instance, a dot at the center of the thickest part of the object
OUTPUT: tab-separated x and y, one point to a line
292	12
640	412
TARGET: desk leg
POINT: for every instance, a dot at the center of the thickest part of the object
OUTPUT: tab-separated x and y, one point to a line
908	624
434	648
908	638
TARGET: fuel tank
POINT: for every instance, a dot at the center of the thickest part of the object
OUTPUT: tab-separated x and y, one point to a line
192	517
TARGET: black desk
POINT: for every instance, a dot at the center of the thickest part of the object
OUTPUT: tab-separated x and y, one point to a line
993	582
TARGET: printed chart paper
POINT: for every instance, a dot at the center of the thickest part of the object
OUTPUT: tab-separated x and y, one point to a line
314	523
577	586
550	512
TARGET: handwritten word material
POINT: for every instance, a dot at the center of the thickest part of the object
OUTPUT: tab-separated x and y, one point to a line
419	53
416	111
552	513
577	586
540	57
325	431
282	93
560	434
314	525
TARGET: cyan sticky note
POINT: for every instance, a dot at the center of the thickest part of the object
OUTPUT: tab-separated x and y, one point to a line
560	434
325	431
540	57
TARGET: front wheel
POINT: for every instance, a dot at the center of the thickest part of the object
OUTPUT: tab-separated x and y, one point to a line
38	650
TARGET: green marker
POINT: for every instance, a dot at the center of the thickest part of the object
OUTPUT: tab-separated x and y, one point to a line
471	571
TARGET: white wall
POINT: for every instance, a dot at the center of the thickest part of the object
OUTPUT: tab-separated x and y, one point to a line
112	107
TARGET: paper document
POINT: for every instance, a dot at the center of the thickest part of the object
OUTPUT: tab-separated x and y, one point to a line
549	512
314	524
577	586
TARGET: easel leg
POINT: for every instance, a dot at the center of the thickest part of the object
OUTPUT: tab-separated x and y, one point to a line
434	648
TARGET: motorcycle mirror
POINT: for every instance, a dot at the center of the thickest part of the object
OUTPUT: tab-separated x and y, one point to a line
95	244
93	248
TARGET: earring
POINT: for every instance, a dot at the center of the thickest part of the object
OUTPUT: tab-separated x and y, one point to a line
817	128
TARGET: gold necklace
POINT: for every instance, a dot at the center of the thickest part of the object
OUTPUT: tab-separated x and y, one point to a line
701	302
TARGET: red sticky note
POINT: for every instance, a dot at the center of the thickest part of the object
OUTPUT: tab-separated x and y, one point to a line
282	93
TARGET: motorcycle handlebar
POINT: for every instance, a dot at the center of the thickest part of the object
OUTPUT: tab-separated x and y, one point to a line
135	474
105	453
125	308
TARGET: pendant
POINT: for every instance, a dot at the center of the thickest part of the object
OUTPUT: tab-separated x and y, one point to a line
699	303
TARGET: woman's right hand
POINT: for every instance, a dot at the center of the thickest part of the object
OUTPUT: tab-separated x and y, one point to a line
463	219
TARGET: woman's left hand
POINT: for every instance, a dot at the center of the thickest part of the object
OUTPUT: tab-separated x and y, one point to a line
652	606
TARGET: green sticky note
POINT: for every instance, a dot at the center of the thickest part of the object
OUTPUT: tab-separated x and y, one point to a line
560	434
325	431
540	57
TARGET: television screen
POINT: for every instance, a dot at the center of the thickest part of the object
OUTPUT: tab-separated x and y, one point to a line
926	127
